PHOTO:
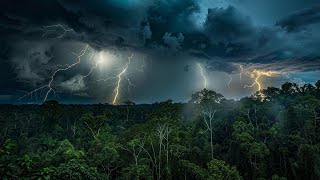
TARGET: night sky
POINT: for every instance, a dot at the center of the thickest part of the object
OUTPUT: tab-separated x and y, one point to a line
109	51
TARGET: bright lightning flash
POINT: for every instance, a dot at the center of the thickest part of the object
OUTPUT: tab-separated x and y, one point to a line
119	76
47	89
49	85
256	74
96	64
203	76
100	61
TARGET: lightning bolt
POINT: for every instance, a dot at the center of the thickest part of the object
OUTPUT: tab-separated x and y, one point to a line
59	31
256	74
256	80
119	76
95	65
91	69
55	28
48	86
203	76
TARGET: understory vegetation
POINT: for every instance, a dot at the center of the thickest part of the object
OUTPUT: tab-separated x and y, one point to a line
274	134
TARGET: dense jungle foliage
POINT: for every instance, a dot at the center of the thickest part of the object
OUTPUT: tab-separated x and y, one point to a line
274	134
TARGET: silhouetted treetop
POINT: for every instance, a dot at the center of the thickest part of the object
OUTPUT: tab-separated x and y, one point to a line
206	97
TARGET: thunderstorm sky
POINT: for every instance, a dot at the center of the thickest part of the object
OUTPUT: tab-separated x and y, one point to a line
109	51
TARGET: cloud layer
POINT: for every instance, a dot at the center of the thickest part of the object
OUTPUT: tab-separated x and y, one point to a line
167	35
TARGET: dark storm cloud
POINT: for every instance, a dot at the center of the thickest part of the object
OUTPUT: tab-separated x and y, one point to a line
227	24
301	19
231	36
171	16
168	32
174	42
129	24
100	23
227	33
25	17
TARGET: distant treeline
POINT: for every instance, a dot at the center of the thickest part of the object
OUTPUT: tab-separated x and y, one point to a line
273	134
